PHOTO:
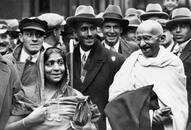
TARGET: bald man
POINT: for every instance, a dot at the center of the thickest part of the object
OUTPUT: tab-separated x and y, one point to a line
151	65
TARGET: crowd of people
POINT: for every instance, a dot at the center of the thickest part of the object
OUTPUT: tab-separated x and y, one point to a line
105	71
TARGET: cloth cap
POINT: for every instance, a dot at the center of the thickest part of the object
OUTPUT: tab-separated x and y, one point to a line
33	23
53	19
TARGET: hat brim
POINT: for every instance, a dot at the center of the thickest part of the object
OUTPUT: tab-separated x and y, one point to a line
170	23
73	20
34	28
123	22
2	31
154	14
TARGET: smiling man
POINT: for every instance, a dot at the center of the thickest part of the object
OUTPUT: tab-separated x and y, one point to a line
25	54
5	39
94	66
112	28
151	65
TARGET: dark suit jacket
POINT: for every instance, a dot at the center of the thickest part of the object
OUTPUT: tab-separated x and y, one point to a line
130	110
186	59
125	48
101	67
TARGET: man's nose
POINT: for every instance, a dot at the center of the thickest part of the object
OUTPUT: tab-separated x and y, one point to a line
178	29
112	30
89	32
34	37
142	43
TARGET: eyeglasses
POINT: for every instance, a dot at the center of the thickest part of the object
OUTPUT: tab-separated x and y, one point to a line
145	38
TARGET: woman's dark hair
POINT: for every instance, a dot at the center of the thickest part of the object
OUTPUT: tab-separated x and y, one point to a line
52	50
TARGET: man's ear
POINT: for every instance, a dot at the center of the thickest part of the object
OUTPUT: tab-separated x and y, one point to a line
162	38
21	37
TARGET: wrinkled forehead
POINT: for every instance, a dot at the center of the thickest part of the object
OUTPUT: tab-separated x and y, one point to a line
149	27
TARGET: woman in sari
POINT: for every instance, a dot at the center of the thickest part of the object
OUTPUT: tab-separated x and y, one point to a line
50	104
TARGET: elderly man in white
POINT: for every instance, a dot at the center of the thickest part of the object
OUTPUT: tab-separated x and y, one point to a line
153	65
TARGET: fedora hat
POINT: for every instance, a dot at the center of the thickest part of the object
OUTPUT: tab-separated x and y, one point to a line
154	10
134	21
113	13
84	13
131	12
179	15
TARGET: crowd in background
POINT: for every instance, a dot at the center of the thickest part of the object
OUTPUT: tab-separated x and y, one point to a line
105	71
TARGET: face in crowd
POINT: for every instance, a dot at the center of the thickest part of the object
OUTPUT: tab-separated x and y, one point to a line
149	35
170	4
32	40
86	33
5	44
55	67
181	32
168	37
111	32
130	36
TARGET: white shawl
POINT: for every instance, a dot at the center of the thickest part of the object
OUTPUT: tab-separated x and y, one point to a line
165	72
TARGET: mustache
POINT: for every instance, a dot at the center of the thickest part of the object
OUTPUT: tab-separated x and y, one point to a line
144	47
4	44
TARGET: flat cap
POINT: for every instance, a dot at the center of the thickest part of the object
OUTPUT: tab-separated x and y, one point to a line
33	23
52	19
3	27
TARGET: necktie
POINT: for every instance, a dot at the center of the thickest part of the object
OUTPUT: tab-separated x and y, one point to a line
83	71
112	48
29	58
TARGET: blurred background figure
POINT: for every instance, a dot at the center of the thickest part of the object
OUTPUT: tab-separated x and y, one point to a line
99	31
13	27
129	34
169	6
5	39
154	11
169	42
53	33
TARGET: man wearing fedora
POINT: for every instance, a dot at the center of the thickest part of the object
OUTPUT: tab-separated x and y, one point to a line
94	66
26	53
112	28
129	34
180	26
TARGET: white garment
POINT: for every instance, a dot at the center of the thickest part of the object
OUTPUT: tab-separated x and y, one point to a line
166	72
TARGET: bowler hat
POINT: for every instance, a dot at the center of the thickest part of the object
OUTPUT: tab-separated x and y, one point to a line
33	23
179	15
84	13
154	10
113	13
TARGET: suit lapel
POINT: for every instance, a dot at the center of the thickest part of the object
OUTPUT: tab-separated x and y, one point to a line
4	80
93	65
186	52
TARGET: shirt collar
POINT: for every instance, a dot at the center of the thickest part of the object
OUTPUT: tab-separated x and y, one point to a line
116	46
82	52
24	55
